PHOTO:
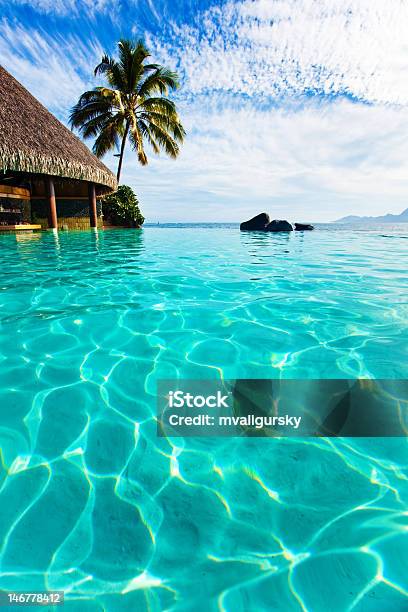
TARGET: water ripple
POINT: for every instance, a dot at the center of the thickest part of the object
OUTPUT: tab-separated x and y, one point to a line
92	502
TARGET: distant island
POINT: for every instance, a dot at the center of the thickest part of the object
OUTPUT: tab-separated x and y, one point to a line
402	218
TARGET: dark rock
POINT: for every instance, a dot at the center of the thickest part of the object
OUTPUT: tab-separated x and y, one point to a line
278	225
303	227
256	223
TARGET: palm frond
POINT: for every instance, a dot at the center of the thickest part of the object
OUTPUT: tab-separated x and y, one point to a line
107	139
131	58
82	114
111	70
104	65
91	128
91	105
146	133
134	105
136	141
159	81
164	139
171	124
149	67
159	105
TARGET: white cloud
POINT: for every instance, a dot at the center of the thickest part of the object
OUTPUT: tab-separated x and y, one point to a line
317	162
260	47
65	7
55	69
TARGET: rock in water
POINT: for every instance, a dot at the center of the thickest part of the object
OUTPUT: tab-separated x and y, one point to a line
303	227
278	225
256	223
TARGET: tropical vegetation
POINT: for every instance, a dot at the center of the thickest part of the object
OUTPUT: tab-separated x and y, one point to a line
122	208
134	107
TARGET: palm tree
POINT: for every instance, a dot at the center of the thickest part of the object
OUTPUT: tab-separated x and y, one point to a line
133	107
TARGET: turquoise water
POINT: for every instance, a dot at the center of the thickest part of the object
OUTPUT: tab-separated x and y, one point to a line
94	503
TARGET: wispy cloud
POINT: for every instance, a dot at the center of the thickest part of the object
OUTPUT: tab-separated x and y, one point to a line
73	8
315	162
291	47
55	68
267	85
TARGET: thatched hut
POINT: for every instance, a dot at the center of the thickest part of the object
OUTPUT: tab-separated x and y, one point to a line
47	175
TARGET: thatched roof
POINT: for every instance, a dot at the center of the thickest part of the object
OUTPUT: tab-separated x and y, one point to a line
33	140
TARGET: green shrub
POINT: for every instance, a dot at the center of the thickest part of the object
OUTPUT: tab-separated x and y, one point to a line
122	208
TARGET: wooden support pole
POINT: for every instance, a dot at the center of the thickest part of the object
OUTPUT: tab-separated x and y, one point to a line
52	205
93	215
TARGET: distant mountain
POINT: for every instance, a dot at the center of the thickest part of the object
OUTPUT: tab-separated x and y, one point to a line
402	218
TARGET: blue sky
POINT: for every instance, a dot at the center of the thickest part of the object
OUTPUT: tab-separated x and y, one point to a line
295	107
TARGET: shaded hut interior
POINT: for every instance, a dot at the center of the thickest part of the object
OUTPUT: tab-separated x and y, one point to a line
48	177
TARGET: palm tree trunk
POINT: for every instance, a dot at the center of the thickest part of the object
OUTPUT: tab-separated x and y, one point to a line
122	150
